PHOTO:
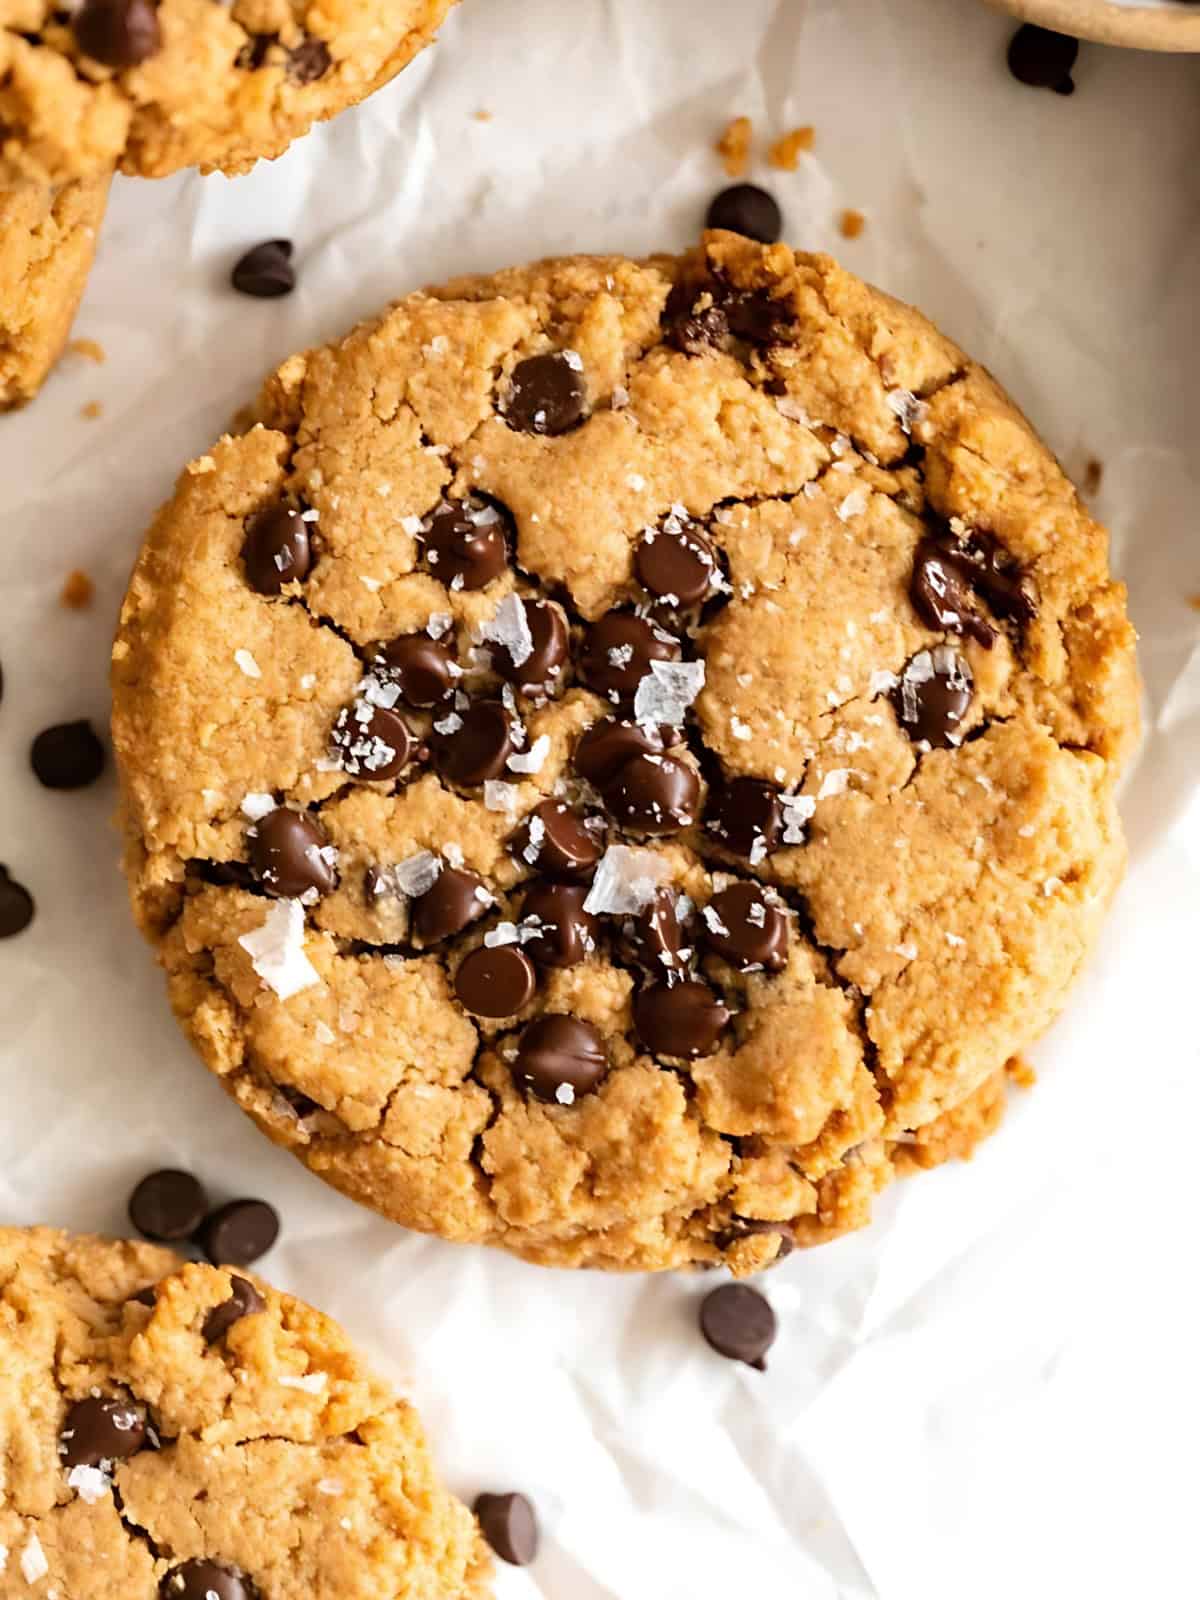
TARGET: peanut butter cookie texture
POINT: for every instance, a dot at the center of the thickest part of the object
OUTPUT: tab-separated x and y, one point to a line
150	87
619	753
179	1432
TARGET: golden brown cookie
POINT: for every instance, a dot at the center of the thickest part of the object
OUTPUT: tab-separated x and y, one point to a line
149	88
177	1430
616	748
47	242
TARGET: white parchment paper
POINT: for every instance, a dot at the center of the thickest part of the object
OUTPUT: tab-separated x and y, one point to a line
990	1393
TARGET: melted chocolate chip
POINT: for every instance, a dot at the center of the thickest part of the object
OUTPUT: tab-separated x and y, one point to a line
309	60
742	924
472	746
452	904
739	1324
560	842
168	1205
948	575
746	209
547	394
265	272
560	1058
117	33
244	1301
421	668
238	1233
609	744
656	939
466	542
746	816
541	671
568	932
677	562
97	1430
372	742
619	650
67	756
199	1579
933	696
16	906
288	852
654	794
509	1525
496	982
701	316
679	1019
1043	59
277	549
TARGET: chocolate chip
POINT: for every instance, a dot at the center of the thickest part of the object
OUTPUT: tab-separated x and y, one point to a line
1043	59
656	939
680	1019
560	841
168	1205
701	316
199	1579
244	1301
746	1227
739	1323
289	855
277	549
546	394
949	572
451	905
742	924
238	1233
117	33
98	1430
466	542
654	794
609	744
618	651
541	670
265	271
677	562
746	209
496	982
476	745
145	1297
309	60
16	906
746	817
372	742
509	1525
67	756
933	696
560	1058
568	932
421	668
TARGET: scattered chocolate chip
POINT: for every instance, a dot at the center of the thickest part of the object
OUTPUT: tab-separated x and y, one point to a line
609	744
277	549
238	1233
452	904
98	1430
244	1301
117	33
746	209
421	668
510	1527
547	394
466	542
654	794
933	696
309	60
168	1205
677	562
618	651
67	756
739	1323
265	271
560	842
656	939
199	1579
477	744
1043	59
679	1019
568	933
497	981
289	852
746	927
541	670
746	816
372	742
560	1058
16	906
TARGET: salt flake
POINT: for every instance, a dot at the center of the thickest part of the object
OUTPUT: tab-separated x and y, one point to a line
276	950
247	663
667	690
626	881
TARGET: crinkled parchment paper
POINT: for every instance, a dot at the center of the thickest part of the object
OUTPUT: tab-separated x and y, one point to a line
990	1393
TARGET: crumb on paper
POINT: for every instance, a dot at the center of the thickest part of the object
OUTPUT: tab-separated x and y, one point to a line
77	591
91	411
851	224
733	146
1093	476
89	349
1194	601
483	115
1021	1072
785	153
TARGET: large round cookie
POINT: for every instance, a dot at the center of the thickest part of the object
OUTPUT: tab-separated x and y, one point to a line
149	88
699	662
175	1432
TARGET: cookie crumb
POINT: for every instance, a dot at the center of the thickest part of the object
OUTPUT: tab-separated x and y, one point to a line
1194	601
733	146
1093	476
851	224
1021	1072
785	153
91	411
77	591
89	349
483	116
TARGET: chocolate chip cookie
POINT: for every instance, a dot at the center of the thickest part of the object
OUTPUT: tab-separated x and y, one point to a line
183	1431
47	242
616	749
150	87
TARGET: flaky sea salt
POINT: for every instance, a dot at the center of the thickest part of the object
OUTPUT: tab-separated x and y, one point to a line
440	622
91	1484
532	759
565	1094
247	663
415	875
626	881
908	409
854	504
881	682
666	691
276	950
500	796
329	1486
797	812
834	783
739	729
411	525
309	1382
34	1565
573	359
256	806
509	628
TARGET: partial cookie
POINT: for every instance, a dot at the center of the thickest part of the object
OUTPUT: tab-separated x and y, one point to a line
47	242
175	1432
619	748
149	88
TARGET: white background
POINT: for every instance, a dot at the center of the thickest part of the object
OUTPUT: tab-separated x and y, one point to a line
993	1391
